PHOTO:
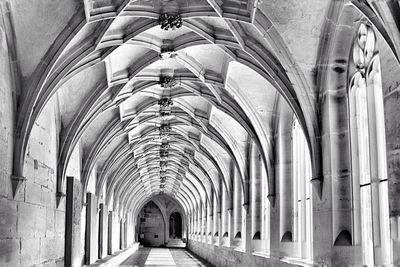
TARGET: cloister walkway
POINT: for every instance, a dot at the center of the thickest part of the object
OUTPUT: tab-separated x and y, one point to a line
163	257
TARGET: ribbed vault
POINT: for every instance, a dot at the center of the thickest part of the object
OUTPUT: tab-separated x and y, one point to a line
166	97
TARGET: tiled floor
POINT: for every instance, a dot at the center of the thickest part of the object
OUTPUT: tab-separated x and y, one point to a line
163	257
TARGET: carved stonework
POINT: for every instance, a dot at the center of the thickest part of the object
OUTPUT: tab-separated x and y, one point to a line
165	102
16	182
167	22
164	114
163	154
167	53
59	197
163	165
165	129
167	82
165	146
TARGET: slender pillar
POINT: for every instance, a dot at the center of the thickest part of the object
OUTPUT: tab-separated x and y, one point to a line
226	216
210	217
103	229
73	223
284	176
125	240
238	208
198	222
204	221
122	234
256	186
378	166
91	229
110	234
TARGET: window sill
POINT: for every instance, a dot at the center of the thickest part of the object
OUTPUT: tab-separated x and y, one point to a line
261	254
297	261
239	250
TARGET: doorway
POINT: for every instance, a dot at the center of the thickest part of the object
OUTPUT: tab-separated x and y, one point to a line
175	225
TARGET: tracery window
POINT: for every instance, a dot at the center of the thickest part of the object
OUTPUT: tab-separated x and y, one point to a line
302	206
368	153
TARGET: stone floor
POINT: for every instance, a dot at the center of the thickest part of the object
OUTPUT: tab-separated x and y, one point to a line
163	257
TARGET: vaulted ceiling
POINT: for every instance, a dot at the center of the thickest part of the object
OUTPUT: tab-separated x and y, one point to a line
167	109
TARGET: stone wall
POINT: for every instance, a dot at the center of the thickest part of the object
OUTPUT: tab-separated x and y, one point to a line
9	244
32	228
152	226
228	257
35	226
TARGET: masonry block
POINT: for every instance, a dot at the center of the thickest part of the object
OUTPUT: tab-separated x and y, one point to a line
9	252
8	218
26	224
33	193
30	250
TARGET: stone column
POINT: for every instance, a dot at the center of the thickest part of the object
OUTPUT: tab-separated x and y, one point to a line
125	240
217	215
73	223
110	233
91	229
210	223
103	229
255	199
377	151
200	222
204	222
121	234
284	177
238	206
391	85
190	217
226	216
332	214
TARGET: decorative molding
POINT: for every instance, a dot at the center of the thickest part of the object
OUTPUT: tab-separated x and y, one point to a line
165	130
164	114
165	146
317	184
163	154
165	102
163	158
16	182
163	164
272	199
167	53
59	197
167	82
246	207
168	22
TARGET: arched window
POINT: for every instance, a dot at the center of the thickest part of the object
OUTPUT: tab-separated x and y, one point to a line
302	206
368	152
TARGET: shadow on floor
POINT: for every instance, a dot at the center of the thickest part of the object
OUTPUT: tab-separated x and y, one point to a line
164	257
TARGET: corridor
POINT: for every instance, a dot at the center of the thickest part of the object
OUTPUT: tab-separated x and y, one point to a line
163	257
247	132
